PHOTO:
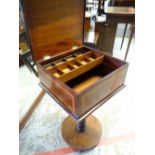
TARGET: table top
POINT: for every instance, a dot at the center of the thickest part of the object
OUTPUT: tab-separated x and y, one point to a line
120	10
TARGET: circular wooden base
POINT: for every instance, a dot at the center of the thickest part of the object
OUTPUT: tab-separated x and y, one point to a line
85	140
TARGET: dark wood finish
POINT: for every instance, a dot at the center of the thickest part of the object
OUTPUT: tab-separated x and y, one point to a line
85	139
76	93
20	61
87	113
123	3
120	14
56	33
50	25
53	26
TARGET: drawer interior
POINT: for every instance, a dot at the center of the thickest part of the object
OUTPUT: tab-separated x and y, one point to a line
82	69
74	65
90	77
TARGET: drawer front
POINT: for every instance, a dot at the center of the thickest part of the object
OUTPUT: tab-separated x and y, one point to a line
103	88
66	98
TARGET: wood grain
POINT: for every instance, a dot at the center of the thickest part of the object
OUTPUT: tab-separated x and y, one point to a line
90	87
67	70
55	29
85	140
85	84
53	26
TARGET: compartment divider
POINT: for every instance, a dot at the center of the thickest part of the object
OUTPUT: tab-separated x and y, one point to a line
75	64
71	67
78	63
59	71
88	58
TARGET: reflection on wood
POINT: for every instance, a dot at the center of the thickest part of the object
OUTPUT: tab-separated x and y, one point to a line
85	84
54	26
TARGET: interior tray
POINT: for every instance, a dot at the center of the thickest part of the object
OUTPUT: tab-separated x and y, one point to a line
74	65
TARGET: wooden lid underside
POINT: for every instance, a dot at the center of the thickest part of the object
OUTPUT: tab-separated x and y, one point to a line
53	26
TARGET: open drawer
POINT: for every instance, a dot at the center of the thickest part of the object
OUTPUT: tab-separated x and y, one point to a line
82	79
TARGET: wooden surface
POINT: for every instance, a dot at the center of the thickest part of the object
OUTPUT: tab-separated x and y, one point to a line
53	26
120	10
88	82
85	140
123	3
120	14
108	79
90	87
75	65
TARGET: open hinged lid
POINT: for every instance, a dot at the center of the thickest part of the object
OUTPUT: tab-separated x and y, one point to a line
53	26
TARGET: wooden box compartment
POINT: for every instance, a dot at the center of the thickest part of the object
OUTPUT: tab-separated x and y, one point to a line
73	65
82	79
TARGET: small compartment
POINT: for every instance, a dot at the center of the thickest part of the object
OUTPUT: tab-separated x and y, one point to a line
85	80
49	67
83	60
92	55
75	64
65	68
78	54
56	72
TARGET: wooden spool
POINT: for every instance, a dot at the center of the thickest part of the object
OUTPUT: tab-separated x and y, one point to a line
83	135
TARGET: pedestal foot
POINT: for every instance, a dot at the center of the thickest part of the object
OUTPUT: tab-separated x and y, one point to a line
84	135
